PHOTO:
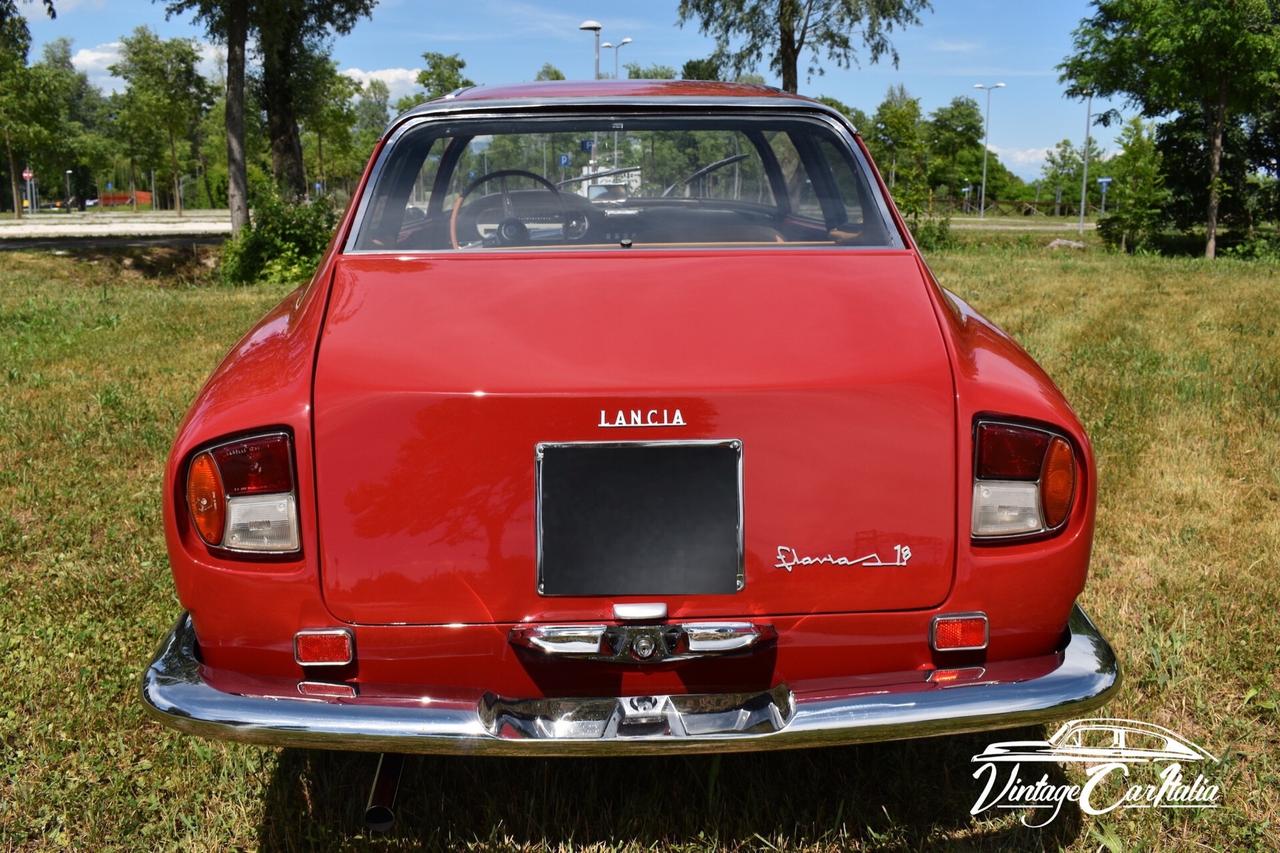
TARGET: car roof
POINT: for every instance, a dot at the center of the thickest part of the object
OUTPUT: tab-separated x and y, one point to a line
616	93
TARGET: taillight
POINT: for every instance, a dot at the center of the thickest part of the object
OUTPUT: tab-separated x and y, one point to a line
242	495
1024	481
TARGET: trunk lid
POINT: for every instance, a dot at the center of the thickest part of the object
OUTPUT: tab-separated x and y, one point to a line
438	378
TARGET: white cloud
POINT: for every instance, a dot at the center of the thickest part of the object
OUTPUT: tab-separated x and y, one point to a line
400	81
953	46
94	62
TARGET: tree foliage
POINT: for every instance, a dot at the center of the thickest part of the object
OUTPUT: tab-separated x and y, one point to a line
782	31
549	72
164	99
1214	59
1138	194
701	69
636	71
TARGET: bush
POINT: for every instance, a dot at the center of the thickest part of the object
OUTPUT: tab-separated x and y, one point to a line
933	234
1258	247
283	241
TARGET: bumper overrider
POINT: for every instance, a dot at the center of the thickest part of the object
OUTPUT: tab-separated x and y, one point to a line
175	692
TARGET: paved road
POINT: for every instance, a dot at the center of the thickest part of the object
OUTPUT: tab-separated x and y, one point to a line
20	244
113	228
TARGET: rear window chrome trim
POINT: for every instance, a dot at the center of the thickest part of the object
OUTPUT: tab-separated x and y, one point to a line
621	109
732	443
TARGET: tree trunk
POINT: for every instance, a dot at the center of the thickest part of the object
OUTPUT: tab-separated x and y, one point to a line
177	178
320	159
278	84
1215	165
237	173
13	178
788	50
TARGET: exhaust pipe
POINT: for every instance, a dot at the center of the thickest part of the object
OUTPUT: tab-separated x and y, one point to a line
379	813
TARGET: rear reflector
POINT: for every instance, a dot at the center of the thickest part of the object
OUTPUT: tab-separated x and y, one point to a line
327	690
329	647
963	675
963	632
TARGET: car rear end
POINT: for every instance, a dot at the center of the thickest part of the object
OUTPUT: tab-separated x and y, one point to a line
606	494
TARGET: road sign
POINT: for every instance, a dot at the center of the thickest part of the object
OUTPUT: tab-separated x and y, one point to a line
586	145
27	174
1104	182
565	160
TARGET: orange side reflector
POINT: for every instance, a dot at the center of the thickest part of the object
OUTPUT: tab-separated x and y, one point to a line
1057	483
205	499
327	690
952	633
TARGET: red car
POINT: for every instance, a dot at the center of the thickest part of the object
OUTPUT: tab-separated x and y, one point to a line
619	418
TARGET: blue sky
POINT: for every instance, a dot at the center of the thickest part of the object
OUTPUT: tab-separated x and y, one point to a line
960	43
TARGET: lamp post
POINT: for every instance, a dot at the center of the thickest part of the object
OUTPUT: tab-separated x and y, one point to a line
986	142
595	27
68	190
616	47
1084	179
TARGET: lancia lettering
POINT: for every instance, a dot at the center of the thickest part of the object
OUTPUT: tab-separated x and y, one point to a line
640	418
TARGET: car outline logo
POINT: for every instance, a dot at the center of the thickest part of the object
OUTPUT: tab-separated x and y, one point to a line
1085	741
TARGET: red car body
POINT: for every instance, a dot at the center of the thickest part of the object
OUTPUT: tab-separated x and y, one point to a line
416	389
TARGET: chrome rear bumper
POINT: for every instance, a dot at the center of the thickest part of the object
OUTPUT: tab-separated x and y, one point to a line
175	693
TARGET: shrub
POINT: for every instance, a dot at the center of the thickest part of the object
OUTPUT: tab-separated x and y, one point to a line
283	241
933	233
1257	247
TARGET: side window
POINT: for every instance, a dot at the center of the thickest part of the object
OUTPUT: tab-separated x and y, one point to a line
846	179
800	189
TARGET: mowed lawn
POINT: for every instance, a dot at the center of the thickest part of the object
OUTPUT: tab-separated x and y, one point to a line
1174	364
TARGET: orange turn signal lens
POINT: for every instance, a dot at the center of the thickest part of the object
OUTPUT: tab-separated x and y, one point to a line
1057	483
205	499
960	633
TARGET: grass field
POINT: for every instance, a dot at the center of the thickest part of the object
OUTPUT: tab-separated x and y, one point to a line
1173	364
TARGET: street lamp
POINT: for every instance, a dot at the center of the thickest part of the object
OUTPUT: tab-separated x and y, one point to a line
1084	178
616	47
982	196
68	202
595	27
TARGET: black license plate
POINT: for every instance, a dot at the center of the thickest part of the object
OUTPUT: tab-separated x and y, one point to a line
640	518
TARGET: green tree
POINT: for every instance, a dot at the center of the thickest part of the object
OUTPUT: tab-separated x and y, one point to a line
701	69
30	103
290	33
328	113
856	117
372	112
228	23
1064	169
549	72
81	144
164	91
897	141
1138	193
950	131
748	31
636	71
1216	59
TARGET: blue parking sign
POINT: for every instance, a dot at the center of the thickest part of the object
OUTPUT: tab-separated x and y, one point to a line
565	159
586	145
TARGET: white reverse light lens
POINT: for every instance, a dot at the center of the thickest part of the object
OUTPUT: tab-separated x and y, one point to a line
1006	508
262	523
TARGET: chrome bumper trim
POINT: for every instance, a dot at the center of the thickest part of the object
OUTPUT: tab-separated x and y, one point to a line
175	693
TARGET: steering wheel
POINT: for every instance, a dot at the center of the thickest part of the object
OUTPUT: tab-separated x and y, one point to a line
511	231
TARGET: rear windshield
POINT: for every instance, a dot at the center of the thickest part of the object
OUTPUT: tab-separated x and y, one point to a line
621	182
